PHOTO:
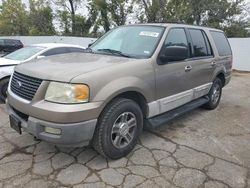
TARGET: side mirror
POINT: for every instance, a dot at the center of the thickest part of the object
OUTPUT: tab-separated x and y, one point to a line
174	53
40	57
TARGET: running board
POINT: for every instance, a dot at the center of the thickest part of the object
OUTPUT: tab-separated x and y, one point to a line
162	119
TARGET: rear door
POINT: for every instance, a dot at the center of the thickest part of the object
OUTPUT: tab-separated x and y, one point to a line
202	62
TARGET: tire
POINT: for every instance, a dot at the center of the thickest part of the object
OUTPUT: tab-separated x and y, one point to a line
3	89
118	129
214	95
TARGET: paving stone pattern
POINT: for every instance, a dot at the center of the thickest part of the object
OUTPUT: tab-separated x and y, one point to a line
203	149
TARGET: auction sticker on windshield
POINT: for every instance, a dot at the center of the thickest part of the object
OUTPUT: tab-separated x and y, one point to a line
149	34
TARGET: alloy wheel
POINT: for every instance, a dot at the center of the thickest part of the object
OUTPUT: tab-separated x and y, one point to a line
123	130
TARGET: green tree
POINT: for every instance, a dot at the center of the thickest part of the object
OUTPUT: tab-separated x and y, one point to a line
71	6
82	26
179	11
154	10
105	14
119	11
41	18
237	29
64	19
99	9
223	14
13	18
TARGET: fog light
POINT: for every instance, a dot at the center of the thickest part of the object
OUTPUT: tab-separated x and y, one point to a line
52	130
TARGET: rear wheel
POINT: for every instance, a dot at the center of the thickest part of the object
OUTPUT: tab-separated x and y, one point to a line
214	95
3	88
118	128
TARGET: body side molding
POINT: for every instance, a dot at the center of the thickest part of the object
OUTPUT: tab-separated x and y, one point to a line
171	102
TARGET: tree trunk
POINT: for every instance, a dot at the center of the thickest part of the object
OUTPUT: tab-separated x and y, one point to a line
146	9
73	17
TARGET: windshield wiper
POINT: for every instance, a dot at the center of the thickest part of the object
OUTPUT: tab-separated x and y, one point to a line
115	52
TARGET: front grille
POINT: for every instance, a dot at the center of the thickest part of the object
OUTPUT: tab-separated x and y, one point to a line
24	86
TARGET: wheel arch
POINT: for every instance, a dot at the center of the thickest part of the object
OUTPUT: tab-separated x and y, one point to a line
5	77
221	76
133	95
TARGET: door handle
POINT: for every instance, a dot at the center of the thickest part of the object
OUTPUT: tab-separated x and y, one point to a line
213	64
188	68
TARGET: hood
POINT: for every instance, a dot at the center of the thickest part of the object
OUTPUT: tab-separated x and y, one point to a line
7	62
68	66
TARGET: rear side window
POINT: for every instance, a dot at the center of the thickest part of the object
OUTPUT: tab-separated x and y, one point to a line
201	45
17	42
1	42
56	51
221	43
10	42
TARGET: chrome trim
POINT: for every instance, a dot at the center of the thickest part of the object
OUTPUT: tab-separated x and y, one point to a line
202	90
153	109
14	95
171	102
175	101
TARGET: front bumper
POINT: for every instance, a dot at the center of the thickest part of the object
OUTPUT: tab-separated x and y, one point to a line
72	134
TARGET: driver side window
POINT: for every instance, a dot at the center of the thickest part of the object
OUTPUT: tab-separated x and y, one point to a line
175	48
176	37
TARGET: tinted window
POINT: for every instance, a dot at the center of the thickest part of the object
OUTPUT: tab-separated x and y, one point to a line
221	43
199	43
1	42
10	42
17	42
209	48
73	49
176	37
56	51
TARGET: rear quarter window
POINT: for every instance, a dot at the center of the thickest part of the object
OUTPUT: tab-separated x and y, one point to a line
221	43
17	42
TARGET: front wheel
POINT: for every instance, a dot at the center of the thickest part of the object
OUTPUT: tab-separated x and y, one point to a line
3	88
118	128
214	95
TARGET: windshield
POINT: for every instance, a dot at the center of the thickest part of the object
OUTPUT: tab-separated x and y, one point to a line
24	53
133	41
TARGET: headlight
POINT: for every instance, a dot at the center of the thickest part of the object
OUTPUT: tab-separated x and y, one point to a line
67	93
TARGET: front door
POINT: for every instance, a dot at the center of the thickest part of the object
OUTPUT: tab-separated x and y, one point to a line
172	78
